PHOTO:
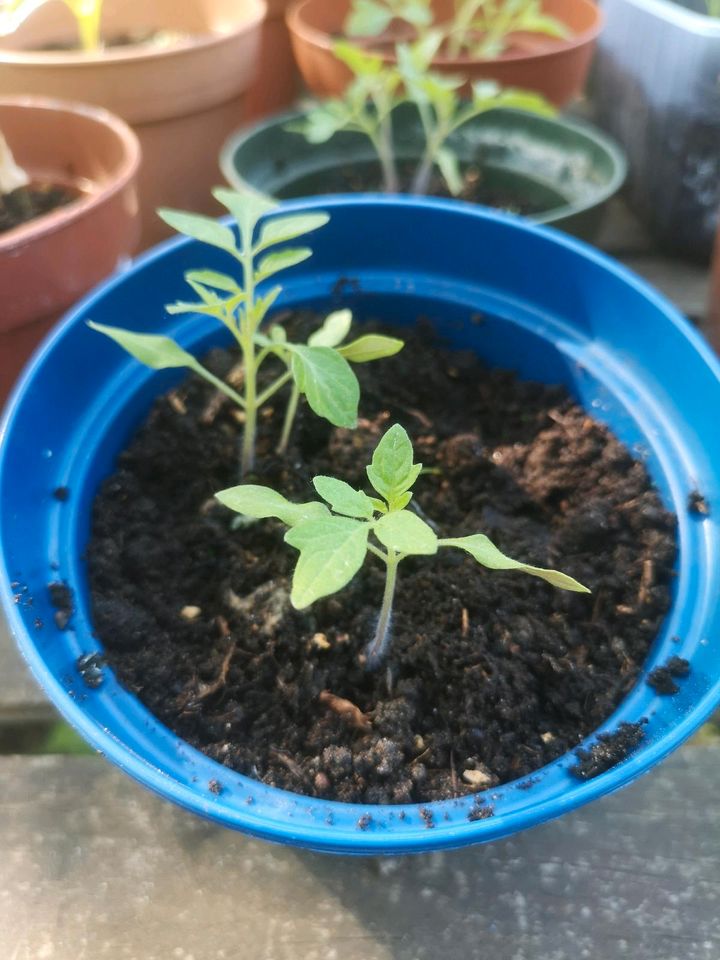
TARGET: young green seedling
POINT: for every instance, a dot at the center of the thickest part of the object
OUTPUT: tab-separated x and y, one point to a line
319	369
335	537
443	110
713	8
378	89
369	18
481	28
87	13
365	107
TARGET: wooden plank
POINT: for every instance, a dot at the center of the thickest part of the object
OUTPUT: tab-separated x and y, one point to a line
20	696
93	866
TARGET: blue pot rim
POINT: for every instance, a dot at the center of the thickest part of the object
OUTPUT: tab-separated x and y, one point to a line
412	838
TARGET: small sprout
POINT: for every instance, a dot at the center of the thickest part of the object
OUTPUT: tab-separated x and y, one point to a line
368	104
713	8
481	29
334	538
87	14
319	370
12	177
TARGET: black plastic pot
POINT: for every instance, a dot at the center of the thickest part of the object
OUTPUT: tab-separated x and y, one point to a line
565	170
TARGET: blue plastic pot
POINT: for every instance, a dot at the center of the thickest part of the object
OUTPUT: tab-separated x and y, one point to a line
556	310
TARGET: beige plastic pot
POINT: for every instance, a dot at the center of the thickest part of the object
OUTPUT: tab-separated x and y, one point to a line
277	81
556	68
48	263
183	100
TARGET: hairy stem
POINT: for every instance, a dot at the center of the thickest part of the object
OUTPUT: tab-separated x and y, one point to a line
378	647
247	343
386	152
289	419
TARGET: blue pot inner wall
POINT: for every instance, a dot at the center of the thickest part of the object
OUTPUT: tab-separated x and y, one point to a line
523	298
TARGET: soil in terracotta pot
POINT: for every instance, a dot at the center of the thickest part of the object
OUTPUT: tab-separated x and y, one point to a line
27	203
155	38
490	676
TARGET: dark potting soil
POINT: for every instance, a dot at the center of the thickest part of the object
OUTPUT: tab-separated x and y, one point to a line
366	179
490	675
27	203
156	38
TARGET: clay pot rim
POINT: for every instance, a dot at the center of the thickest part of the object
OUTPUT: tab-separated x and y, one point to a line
319	38
137	53
61	218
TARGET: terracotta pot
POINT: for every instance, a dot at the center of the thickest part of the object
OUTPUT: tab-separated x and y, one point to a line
48	263
556	68
277	81
182	100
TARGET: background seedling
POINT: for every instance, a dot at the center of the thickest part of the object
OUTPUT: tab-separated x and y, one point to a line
368	104
480	28
319	369
87	13
335	537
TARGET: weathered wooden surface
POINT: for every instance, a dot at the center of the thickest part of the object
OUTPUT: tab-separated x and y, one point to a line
93	866
20	697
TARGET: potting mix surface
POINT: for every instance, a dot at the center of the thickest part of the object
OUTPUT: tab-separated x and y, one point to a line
490	675
26	203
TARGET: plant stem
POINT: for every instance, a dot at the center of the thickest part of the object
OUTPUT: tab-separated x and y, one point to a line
247	343
385	148
273	389
289	419
378	647
221	386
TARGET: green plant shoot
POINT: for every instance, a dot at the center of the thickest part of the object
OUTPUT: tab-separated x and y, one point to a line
480	28
335	537
366	107
319	370
713	8
87	14
443	111
378	89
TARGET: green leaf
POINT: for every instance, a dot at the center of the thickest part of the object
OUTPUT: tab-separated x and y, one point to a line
246	207
392	471
371	347
332	550
405	532
204	229
260	502
263	305
368	18
344	499
322	122
279	260
333	331
159	353
486	553
361	62
327	380
281	229
450	169
206	309
214	280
